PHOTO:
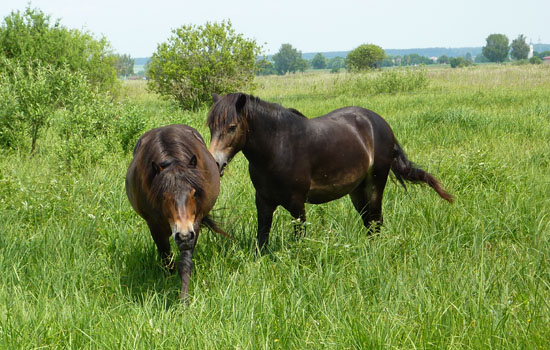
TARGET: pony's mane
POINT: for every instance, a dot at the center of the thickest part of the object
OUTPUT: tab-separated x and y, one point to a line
170	152
224	111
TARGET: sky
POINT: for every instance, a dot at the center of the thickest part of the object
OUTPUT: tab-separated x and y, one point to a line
136	27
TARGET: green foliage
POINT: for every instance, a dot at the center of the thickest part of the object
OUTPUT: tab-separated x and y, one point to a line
496	49
200	60
35	93
443	59
481	59
336	63
319	61
90	132
535	60
124	65
36	99
289	60
460	62
520	48
31	38
265	67
366	56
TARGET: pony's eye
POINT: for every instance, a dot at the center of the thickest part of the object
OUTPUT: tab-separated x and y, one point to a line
232	128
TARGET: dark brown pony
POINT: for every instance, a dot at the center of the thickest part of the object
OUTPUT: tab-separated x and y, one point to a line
172	183
293	160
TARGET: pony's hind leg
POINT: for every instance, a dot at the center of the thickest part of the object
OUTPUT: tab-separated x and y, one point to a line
367	200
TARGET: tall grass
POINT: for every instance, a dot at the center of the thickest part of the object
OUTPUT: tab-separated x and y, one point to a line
79	268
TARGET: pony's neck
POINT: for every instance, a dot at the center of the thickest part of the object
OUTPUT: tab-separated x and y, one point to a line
269	125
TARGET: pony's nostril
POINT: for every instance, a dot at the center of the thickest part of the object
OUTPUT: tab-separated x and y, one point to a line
184	236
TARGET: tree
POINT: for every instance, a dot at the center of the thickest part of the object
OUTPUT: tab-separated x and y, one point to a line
200	60
443	59
124	65
520	48
496	49
366	56
289	60
29	36
319	62
265	67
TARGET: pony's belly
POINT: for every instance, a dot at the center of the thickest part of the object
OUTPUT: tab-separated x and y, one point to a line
322	194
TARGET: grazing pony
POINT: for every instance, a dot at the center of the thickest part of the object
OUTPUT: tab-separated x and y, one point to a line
293	160
172	183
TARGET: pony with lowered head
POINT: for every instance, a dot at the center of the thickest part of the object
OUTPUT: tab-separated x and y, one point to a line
173	183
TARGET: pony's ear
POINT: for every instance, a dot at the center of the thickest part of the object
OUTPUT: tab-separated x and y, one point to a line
215	97
193	162
156	168
241	101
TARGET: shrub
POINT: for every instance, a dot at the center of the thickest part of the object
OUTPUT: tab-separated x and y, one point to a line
364	57
535	60
200	60
34	92
460	62
521	62
30	37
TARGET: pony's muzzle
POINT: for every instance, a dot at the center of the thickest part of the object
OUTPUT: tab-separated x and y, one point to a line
185	239
221	161
221	167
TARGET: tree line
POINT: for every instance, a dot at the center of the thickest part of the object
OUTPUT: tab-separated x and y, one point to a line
194	62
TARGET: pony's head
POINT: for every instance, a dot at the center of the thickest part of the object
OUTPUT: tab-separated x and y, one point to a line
227	121
176	190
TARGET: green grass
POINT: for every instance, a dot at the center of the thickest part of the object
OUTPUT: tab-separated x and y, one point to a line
79	269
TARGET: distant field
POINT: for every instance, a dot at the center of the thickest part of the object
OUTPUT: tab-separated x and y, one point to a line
80	270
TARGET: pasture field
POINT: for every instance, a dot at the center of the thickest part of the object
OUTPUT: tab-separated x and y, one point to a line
79	269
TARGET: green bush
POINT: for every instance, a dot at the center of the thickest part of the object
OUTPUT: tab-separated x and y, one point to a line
91	131
200	60
34	92
87	123
460	62
521	62
31	37
364	57
535	60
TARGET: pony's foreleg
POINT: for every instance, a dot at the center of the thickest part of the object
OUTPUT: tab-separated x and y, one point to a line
265	218
185	268
162	241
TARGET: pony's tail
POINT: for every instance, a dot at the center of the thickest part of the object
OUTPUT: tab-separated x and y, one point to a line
213	226
404	169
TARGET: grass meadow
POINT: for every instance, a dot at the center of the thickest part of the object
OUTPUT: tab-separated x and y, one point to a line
79	269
